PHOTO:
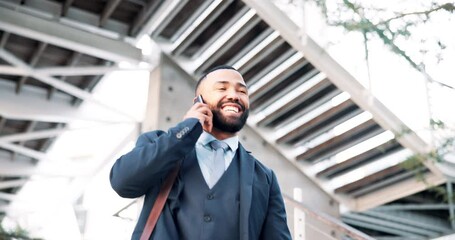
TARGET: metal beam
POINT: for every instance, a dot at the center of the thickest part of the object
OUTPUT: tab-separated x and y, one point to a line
15	169
33	61
12	183
270	135
381	144
297	95
65	87
4	39
32	105
253	48
408	219
271	75
409	230
71	71
382	229
228	46
25	151
75	58
252	60
71	38
381	169
397	191
194	17
339	76
327	219
451	207
2	122
144	15
88	70
30	126
223	43
11	70
288	129
107	11
18	137
164	17
281	68
417	207
198	25
8	196
384	183
66	6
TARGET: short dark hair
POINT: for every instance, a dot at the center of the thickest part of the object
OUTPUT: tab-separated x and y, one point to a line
204	75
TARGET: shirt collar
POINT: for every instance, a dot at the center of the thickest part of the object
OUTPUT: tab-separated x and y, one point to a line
206	138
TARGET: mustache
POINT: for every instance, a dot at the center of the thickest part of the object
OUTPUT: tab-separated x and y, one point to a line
242	107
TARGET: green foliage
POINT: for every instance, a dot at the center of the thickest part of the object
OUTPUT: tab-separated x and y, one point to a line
16	234
441	192
394	29
404	131
415	163
446	143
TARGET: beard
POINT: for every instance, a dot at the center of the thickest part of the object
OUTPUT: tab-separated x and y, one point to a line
229	124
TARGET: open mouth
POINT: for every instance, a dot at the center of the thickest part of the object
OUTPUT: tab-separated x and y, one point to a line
231	108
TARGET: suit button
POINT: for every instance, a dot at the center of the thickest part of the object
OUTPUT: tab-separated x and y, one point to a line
207	218
210	196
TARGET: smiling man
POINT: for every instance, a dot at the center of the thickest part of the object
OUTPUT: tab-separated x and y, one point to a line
221	192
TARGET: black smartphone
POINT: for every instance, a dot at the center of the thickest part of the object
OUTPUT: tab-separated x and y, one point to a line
198	99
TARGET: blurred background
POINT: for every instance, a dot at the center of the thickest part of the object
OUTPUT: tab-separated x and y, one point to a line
351	106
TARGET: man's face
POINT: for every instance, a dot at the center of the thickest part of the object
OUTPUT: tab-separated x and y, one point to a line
225	92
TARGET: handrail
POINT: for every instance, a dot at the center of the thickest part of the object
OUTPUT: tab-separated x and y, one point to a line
328	220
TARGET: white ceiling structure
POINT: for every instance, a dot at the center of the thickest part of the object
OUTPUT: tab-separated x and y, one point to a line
53	54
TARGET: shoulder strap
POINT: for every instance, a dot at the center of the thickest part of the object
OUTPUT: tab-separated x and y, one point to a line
159	203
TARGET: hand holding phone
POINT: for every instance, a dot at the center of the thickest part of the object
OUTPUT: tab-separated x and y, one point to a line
198	99
201	112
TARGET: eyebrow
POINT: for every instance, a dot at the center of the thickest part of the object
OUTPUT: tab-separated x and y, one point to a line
238	83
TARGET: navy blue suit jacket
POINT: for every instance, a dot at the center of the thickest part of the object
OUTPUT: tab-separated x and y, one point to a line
143	169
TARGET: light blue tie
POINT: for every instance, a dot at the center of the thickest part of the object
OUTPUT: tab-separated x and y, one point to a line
217	165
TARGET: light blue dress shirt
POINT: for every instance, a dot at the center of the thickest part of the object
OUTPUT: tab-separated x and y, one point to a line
204	152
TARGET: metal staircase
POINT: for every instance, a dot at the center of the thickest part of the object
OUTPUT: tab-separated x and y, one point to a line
296	105
302	102
301	105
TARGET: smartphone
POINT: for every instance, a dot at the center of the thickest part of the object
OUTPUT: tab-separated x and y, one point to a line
198	99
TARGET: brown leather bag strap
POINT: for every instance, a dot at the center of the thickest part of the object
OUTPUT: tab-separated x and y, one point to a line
159	203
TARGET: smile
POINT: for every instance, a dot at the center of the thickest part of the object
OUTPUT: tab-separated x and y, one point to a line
231	109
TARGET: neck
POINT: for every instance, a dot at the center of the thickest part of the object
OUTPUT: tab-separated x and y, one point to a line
220	135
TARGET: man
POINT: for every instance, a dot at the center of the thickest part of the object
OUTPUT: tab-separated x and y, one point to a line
245	202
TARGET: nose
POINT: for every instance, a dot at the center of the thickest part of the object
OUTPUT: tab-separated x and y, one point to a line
232	94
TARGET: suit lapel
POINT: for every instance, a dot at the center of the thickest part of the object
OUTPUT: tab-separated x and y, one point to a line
246	188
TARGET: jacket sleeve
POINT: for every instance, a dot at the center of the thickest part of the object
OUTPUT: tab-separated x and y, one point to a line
154	155
275	225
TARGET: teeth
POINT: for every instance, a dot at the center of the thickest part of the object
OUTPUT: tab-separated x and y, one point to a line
231	109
